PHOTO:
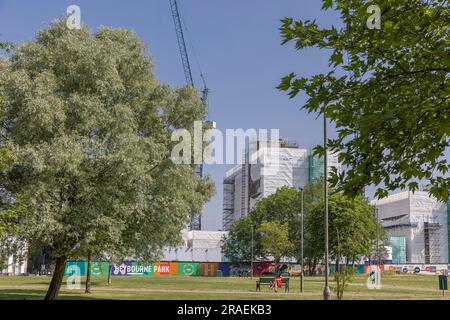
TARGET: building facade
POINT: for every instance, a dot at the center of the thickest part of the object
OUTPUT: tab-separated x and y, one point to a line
417	226
283	165
205	246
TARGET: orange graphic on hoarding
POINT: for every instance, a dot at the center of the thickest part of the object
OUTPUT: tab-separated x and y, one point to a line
209	269
165	268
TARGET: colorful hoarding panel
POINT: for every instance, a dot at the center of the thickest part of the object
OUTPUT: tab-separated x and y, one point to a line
189	269
120	269
224	269
209	269
437	269
369	268
80	267
132	268
75	267
240	270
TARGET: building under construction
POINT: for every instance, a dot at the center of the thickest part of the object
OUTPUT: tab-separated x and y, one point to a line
417	226
288	165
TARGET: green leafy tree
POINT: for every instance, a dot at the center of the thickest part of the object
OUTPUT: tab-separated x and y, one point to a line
89	128
283	206
11	212
352	233
342	278
237	245
387	91
275	241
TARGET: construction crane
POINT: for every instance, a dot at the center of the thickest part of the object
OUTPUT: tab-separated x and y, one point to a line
196	221
183	51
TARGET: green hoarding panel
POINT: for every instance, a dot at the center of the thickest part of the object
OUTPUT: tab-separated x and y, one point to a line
359	269
189	269
99	268
73	267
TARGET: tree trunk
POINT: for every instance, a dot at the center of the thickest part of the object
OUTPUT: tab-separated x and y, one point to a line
58	275
88	275
338	265
110	271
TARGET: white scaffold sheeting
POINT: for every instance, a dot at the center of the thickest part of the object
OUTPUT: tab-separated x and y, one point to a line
421	219
288	167
200	246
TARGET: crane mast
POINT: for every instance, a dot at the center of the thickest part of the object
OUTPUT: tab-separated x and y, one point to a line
196	222
181	42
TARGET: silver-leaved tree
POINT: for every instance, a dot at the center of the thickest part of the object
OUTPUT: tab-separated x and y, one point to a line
89	127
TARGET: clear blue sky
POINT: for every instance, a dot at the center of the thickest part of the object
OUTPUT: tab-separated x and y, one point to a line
237	42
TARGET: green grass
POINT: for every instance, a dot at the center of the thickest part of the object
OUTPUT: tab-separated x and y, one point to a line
193	288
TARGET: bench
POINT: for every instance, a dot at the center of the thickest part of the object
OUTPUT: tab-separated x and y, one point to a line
267	280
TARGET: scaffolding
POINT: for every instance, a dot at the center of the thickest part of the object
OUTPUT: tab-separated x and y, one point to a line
228	202
245	205
431	237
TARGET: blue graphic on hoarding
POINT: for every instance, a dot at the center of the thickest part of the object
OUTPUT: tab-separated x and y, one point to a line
121	269
225	268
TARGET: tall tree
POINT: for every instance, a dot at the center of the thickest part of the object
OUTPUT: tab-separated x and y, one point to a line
237	245
352	233
387	91
89	128
275	241
284	206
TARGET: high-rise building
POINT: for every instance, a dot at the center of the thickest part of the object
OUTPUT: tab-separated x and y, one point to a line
285	164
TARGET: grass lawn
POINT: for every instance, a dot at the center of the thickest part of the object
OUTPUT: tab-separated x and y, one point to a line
194	288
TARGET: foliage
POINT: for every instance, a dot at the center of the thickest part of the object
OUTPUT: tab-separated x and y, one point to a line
283	206
387	92
275	240
352	227
237	245
89	128
342	278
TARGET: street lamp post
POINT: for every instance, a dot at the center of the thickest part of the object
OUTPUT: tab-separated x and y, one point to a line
378	237
251	265
326	290
302	243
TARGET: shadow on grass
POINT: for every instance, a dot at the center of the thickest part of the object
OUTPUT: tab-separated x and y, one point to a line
27	294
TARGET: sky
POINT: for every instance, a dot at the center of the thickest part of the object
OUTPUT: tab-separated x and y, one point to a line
239	48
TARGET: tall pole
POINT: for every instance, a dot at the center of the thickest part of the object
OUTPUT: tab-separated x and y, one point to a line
251	265
378	237
302	240
326	290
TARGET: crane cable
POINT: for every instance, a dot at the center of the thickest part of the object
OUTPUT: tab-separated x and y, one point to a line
191	44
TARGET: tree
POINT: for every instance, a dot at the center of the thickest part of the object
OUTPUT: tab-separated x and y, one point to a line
11	212
342	278
237	245
89	128
283	206
387	92
352	233
275	241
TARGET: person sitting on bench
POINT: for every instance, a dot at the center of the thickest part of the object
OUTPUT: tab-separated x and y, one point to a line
277	282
